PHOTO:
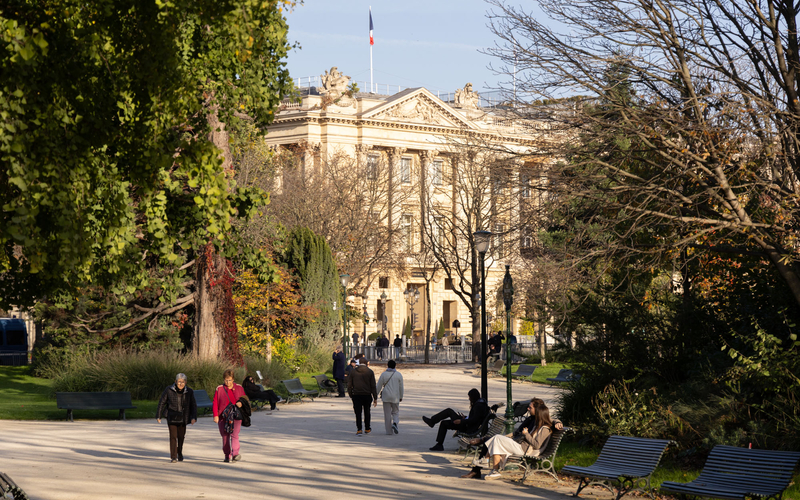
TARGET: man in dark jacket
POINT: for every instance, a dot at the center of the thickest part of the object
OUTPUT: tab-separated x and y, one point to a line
451	419
338	369
398	343
363	391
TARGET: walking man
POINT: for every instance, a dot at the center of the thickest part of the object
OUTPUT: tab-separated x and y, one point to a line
398	343
390	385
361	387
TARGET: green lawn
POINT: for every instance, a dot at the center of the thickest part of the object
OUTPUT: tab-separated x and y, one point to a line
542	373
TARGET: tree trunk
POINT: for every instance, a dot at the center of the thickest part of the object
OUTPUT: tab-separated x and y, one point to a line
213	303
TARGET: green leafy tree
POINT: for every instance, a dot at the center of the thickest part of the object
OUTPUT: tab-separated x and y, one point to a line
114	154
310	259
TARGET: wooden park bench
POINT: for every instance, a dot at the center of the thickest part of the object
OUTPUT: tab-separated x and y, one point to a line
524	371
94	401
296	390
564	376
739	473
625	463
493	426
203	401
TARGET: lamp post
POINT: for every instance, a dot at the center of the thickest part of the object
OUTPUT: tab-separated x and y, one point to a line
345	280
508	299
412	296
482	239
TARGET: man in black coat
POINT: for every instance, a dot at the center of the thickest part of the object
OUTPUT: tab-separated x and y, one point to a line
451	419
339	362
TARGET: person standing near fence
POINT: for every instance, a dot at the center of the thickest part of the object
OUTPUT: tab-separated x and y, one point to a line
178	405
390	386
362	389
398	343
339	363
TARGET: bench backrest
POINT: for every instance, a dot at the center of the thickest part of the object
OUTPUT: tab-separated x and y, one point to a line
525	370
746	467
552	444
637	455
294	385
65	400
564	373
202	399
498	426
321	380
497	365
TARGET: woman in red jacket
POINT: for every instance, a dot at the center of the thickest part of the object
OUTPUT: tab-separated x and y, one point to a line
226	395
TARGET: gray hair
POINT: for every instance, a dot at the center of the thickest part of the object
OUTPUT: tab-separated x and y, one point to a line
180	376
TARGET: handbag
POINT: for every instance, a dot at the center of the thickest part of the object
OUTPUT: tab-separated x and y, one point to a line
387	383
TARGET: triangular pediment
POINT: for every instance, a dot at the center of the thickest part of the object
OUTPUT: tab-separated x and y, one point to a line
418	106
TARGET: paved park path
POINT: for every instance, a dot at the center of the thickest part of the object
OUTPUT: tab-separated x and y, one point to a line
301	451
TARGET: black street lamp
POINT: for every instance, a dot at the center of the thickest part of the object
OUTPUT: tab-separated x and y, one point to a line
345	280
508	300
482	239
412	296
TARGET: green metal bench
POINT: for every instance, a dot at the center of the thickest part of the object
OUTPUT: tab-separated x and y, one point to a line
733	473
524	371
10	490
624	464
203	401
564	376
94	401
546	460
324	389
296	390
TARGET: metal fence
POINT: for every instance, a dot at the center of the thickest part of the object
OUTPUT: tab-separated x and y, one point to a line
414	354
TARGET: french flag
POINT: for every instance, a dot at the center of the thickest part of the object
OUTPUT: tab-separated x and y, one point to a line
371	40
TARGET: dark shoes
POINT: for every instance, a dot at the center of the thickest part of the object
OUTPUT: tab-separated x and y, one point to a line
437	447
428	421
236	458
394	428
273	408
367	431
227	459
358	432
180	457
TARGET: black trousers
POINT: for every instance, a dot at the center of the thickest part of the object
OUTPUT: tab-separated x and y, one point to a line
446	418
340	384
362	402
176	435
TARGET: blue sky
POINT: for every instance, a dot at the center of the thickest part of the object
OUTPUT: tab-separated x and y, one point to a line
432	43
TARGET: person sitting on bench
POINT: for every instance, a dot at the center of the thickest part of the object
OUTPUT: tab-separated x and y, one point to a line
451	419
255	393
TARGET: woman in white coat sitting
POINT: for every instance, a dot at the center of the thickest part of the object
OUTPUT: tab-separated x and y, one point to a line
529	442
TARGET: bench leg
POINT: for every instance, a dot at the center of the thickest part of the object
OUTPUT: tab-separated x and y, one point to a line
122	414
69	416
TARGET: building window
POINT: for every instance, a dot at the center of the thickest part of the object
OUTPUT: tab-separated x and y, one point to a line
525	184
526	241
383	282
499	241
405	170
373	164
448	283
437	173
406	225
437	233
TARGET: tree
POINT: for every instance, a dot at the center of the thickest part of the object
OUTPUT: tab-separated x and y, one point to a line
309	257
704	138
113	144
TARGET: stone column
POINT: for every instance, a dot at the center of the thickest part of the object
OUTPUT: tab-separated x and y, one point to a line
394	168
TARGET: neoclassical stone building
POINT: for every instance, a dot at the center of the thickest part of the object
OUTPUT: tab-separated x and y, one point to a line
412	135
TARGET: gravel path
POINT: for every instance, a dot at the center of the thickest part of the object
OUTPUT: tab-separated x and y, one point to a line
301	451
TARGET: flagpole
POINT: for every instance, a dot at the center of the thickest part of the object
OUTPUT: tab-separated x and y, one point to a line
371	85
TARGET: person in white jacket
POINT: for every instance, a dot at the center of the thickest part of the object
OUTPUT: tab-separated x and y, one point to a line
390	388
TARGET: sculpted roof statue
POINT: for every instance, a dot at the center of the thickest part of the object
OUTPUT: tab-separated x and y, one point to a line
466	98
334	83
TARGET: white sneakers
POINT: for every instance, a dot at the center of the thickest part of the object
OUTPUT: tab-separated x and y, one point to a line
494	475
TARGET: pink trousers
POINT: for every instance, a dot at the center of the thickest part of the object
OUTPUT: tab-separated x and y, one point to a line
230	442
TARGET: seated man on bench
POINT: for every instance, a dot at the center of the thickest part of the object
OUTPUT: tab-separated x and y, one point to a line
254	392
451	419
